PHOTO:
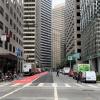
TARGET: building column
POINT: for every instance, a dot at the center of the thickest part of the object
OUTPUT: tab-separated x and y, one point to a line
98	59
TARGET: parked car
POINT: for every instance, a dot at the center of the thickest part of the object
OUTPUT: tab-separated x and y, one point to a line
71	73
89	76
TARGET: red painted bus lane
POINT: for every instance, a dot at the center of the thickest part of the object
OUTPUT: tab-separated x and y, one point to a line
29	79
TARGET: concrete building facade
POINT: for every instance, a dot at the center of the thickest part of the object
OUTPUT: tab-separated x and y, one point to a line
37	32
29	31
11	28
90	30
58	36
43	38
72	27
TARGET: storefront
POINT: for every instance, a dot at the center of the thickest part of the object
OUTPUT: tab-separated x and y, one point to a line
8	62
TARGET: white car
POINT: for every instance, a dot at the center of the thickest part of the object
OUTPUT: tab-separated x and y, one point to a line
89	76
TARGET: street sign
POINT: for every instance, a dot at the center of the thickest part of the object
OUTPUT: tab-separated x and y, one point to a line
76	55
70	58
18	51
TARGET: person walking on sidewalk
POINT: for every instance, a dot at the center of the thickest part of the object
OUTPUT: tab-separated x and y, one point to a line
79	76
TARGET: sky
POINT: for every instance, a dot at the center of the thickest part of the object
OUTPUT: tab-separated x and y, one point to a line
56	2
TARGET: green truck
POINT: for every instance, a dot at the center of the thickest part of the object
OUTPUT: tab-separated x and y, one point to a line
80	68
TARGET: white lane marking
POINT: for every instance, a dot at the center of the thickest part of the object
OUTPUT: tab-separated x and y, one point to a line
93	86
54	84
55	91
17	90
1	85
41	84
28	84
11	93
67	85
15	85
80	85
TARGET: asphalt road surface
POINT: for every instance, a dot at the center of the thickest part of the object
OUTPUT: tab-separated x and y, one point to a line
50	87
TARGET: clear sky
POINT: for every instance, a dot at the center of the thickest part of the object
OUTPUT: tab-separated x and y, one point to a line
56	2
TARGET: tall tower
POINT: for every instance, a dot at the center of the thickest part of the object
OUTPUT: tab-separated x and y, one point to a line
29	30
90	29
37	32
43	47
72	27
58	37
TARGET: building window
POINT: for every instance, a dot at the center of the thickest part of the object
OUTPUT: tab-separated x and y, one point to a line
14	36
1	11
17	39
6	30
11	11
6	45
77	0
10	33
78	6
78	13
78	35
78	42
10	47
0	43
78	28
14	16
6	17
11	22
78	21
7	4
1	25
79	50
3	1
13	49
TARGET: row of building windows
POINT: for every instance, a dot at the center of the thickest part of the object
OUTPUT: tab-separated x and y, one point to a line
7	32
8	46
29	0
14	27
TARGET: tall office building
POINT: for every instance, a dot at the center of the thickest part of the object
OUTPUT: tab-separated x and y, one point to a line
90	29
43	38
72	27
11	35
37	32
58	37
29	30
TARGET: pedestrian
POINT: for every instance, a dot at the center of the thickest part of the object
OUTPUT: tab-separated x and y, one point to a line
57	73
79	75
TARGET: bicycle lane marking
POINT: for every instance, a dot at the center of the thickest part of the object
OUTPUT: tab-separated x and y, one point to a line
4	96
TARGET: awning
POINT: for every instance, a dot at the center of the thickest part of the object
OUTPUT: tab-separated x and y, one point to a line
8	56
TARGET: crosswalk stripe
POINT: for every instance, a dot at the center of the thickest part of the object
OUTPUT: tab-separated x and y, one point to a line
80	85
15	85
92	86
54	84
1	85
41	84
67	85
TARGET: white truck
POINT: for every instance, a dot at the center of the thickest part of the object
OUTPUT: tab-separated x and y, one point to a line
66	70
27	69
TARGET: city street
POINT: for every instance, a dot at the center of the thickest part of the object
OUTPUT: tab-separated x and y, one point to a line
50	87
